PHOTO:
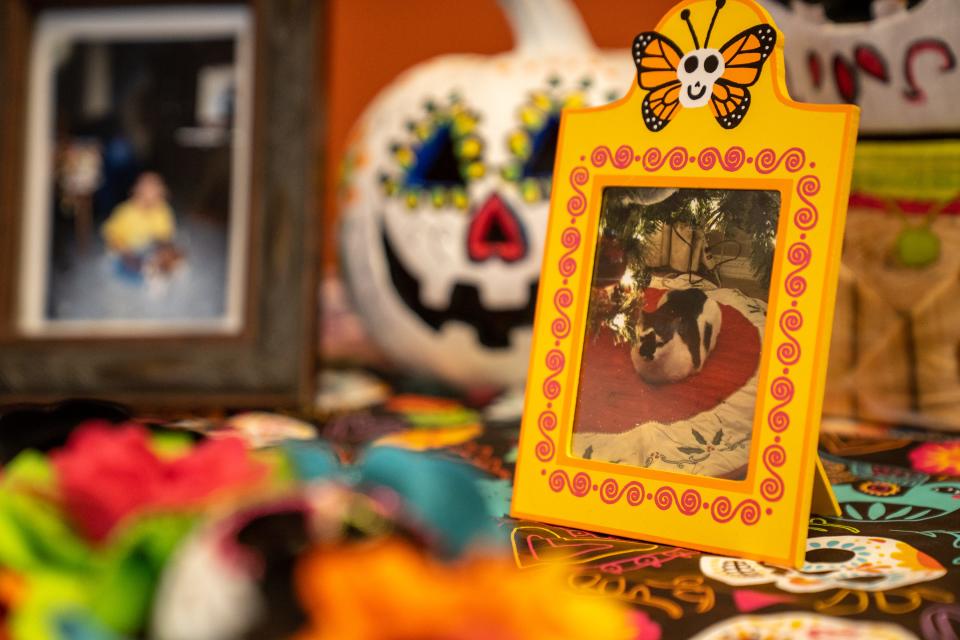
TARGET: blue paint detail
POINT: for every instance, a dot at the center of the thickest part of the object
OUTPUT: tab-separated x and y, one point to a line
437	148
543	149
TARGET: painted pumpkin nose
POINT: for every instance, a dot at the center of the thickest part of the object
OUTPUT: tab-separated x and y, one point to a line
495	232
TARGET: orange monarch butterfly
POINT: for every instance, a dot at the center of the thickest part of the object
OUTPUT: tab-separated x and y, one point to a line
720	77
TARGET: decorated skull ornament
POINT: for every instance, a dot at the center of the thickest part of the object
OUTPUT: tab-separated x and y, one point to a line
800	625
446	192
891	501
900	66
834	562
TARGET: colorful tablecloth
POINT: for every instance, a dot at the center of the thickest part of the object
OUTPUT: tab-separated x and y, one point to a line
889	567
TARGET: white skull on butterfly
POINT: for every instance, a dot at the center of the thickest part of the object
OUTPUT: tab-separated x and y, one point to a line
834	562
704	75
698	71
445	201
700	68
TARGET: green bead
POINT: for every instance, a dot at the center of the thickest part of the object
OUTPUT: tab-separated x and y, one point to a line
917	247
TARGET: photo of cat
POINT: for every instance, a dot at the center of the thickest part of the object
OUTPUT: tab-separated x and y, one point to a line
674	340
675	327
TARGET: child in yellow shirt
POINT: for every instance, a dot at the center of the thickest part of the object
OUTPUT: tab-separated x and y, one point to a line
141	223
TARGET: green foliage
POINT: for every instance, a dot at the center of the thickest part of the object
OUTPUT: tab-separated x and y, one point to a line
633	223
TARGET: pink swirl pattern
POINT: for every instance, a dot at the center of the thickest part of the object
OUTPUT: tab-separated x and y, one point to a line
782	390
799	255
653	159
732	160
688	503
577	203
722	510
547	422
806	217
792	159
579	486
622	159
610	492
571	241
560	326
771	488
555	362
788	353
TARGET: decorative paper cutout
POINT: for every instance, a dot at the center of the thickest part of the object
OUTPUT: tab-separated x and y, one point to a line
106	476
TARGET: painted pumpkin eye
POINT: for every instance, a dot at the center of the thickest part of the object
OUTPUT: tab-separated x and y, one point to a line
543	149
533	145
711	63
436	162
442	155
690	64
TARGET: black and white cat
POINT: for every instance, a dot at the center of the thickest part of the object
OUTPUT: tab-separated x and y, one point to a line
674	340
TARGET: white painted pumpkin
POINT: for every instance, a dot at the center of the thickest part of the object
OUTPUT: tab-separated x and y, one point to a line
444	207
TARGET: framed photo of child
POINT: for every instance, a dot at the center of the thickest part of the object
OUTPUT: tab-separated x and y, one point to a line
685	304
145	231
147	134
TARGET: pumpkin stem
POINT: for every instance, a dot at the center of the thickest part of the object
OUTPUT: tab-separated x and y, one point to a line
547	25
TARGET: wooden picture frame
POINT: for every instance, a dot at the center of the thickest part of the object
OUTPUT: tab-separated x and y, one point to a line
267	357
758	140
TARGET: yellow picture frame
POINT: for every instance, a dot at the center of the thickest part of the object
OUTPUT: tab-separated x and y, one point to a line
803	151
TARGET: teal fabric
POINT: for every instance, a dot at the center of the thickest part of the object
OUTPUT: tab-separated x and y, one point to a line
443	494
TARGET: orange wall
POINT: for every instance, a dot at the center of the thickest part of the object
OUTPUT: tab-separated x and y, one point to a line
370	41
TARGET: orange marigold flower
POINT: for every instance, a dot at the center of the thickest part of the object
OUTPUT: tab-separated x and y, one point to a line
387	590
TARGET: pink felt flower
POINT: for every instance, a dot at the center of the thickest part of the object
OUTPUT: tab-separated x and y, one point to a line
106	474
937	458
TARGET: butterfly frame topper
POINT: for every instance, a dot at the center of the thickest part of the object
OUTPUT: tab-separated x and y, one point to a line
686	299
